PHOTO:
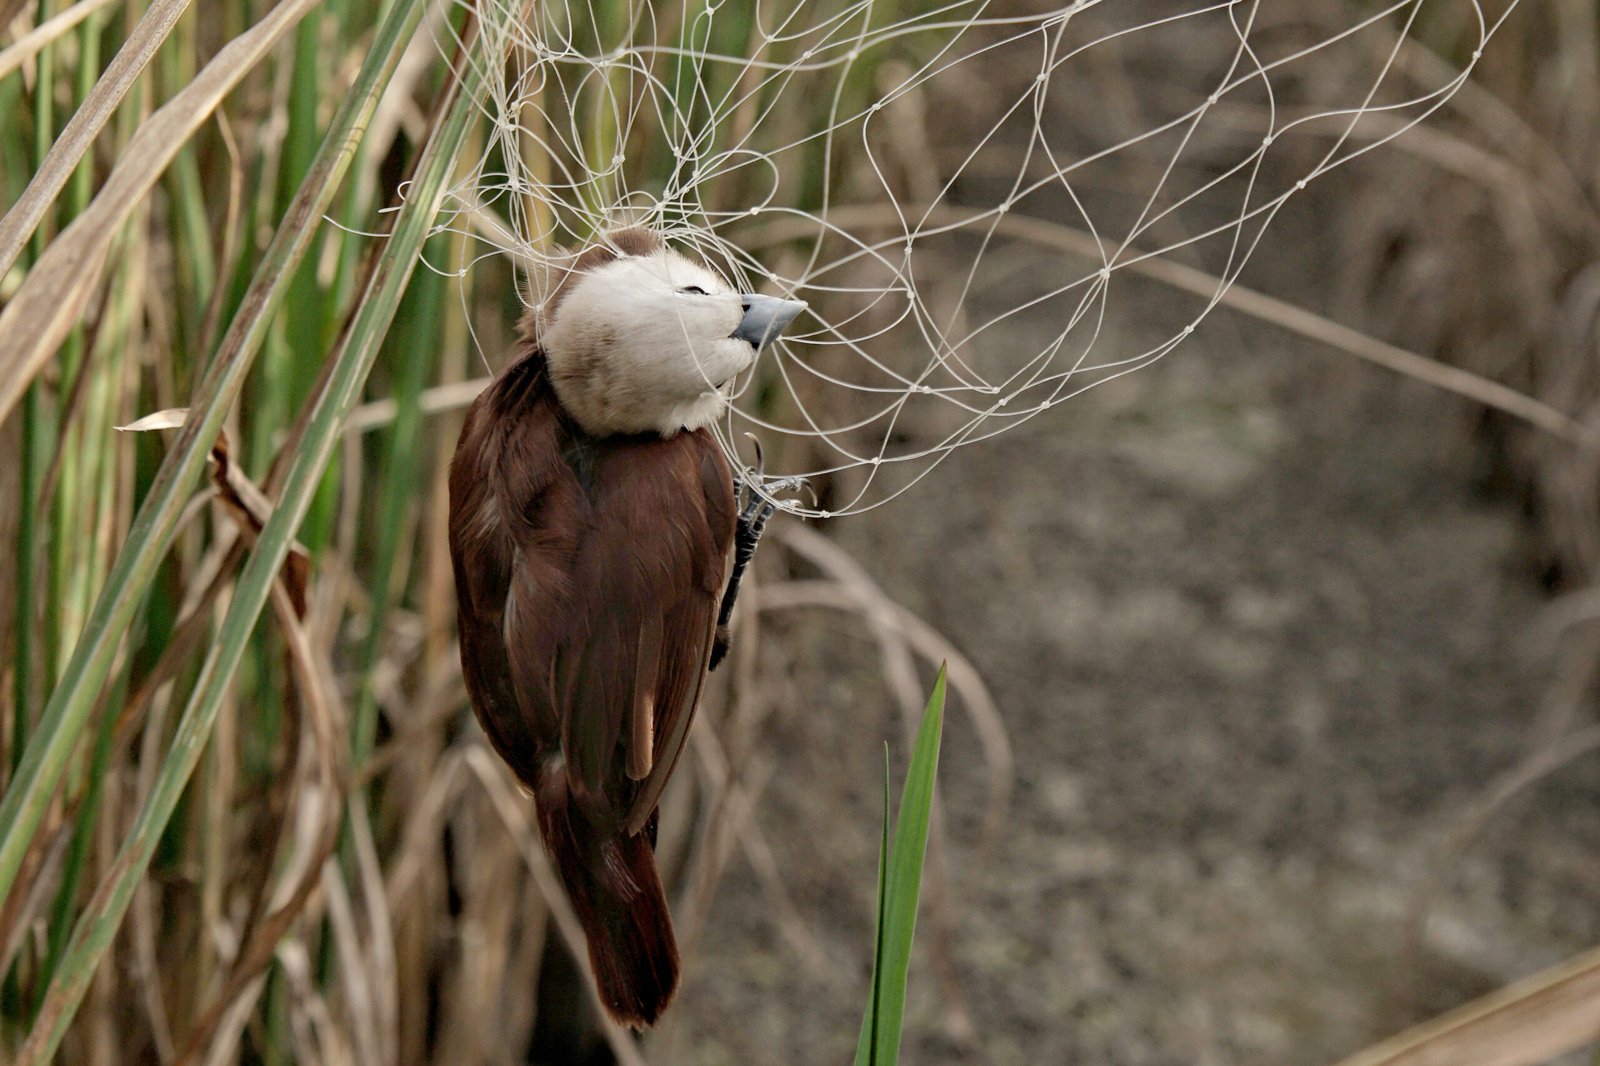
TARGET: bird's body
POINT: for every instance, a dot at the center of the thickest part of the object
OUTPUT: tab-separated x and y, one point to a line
591	525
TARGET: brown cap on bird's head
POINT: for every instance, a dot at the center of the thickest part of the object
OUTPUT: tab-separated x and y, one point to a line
557	273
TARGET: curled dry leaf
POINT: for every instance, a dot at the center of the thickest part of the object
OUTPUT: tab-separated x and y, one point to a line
171	418
248	504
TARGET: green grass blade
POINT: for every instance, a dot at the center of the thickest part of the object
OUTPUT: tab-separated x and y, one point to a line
900	890
869	1024
418	332
59	728
35	450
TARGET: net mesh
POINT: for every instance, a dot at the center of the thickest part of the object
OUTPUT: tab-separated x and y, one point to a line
969	196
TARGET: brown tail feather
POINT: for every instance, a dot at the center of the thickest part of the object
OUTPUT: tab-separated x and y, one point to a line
615	890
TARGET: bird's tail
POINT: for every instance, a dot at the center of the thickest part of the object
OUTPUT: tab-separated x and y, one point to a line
612	881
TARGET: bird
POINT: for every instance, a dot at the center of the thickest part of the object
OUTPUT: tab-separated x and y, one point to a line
598	536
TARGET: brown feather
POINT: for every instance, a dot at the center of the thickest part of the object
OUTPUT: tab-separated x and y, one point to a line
588	574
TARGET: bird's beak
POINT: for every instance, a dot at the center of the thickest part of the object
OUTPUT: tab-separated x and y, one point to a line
765	317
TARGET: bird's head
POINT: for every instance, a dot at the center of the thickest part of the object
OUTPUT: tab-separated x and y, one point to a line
641	339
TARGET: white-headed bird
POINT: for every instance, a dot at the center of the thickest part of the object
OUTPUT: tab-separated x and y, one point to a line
597	541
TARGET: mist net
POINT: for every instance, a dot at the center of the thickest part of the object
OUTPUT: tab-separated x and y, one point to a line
968	195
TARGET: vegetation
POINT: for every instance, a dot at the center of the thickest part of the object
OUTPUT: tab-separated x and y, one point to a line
899	890
275	806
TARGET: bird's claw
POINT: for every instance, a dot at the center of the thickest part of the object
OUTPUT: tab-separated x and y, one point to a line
755	492
756	495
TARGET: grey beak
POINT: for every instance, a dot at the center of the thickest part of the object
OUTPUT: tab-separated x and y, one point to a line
765	317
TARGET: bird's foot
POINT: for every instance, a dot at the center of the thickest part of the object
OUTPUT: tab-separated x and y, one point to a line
754	493
757	494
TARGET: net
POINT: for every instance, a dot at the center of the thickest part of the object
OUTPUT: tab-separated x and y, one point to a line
970	196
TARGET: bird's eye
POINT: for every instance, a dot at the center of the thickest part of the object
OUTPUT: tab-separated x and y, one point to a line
693	290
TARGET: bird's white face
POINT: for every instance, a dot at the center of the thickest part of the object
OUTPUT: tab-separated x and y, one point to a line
645	344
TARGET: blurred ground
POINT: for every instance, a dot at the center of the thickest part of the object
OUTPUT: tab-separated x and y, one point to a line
1258	636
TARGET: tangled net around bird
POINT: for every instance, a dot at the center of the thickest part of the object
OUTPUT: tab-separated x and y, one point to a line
971	196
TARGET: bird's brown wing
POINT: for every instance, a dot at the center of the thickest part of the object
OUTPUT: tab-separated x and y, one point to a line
699	619
645	586
515	515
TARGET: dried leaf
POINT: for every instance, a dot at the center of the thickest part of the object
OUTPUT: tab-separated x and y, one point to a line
171	418
1523	1024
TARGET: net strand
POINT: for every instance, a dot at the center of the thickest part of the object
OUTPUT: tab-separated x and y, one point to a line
885	169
